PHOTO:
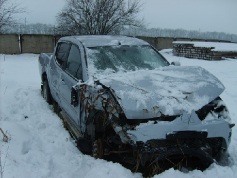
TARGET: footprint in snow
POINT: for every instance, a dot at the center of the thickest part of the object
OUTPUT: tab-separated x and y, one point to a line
26	146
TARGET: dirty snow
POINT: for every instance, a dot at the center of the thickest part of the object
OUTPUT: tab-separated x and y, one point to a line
39	146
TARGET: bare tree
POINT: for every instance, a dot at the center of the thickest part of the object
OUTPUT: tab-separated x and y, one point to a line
8	11
98	16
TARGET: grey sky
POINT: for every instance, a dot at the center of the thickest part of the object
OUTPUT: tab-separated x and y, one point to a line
203	15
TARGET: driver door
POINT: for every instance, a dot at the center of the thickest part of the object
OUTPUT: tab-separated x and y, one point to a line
71	76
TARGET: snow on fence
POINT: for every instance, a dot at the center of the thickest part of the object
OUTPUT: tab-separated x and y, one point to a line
205	50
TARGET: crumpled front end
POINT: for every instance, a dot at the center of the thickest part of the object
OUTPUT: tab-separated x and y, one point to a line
191	139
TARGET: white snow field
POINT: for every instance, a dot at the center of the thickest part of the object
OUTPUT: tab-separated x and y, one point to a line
40	147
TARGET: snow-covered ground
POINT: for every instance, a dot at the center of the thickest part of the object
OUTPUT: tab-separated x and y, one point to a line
40	147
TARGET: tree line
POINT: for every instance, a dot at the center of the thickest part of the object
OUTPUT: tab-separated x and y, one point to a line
83	17
179	33
154	32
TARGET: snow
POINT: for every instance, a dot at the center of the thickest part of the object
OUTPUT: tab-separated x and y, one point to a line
105	40
39	146
224	47
178	89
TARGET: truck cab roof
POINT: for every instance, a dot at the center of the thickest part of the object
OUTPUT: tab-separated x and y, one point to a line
104	40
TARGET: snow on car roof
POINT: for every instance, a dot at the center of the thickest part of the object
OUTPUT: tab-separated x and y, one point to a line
218	46
105	40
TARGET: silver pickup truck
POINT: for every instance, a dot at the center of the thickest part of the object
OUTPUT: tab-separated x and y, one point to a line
121	99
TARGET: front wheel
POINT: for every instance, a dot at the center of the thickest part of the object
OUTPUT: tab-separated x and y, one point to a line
46	92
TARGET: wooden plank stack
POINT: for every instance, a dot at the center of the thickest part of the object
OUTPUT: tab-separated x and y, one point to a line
189	50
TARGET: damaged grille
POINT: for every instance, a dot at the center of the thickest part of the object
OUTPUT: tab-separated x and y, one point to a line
213	145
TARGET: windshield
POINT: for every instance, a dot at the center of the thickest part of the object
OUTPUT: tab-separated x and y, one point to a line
125	58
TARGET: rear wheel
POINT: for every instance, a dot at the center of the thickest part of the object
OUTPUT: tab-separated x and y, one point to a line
46	92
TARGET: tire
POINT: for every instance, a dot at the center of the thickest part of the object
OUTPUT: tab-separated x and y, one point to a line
46	92
56	107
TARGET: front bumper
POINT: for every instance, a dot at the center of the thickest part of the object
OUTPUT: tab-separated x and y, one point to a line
186	123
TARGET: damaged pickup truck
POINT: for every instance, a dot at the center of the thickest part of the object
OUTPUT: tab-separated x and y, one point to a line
122	99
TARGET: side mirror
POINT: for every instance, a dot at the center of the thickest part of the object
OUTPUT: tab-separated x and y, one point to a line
74	95
175	63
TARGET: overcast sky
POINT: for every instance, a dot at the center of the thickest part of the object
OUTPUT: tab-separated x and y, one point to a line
201	15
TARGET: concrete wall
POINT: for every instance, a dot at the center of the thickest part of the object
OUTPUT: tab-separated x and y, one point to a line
167	43
9	44
158	42
37	43
17	44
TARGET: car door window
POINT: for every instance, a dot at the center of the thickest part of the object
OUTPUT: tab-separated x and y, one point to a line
74	66
62	53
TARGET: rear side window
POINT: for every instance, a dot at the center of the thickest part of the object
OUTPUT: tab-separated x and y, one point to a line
74	66
62	53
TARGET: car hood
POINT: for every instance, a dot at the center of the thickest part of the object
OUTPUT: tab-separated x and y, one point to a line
167	91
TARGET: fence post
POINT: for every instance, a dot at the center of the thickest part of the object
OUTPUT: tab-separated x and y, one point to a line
20	42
